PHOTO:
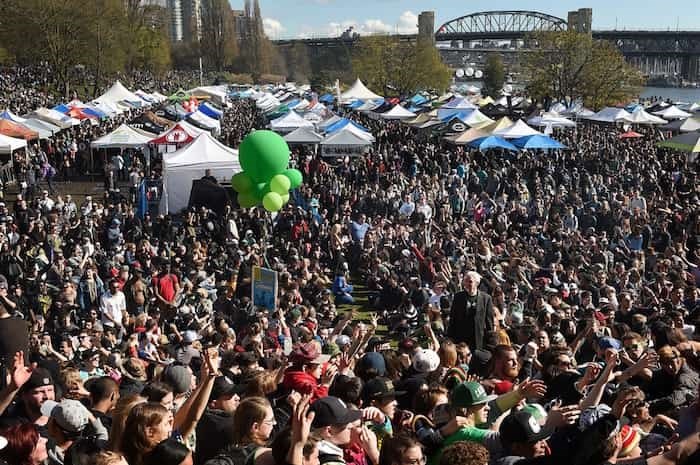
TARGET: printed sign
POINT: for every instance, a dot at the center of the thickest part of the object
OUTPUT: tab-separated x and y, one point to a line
264	288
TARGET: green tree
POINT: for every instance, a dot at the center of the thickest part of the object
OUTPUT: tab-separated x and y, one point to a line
494	76
218	44
573	65
390	66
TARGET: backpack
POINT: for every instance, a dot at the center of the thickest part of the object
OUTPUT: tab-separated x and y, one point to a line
235	455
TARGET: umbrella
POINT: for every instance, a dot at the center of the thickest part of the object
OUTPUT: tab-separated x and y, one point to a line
630	135
492	142
689	142
537	141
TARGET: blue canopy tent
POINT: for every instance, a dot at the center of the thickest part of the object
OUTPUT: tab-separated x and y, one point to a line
356	104
537	141
94	112
418	99
62	108
326	98
447	115
210	111
492	142
340	124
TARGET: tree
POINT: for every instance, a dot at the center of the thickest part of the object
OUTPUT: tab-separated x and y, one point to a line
391	66
571	65
494	76
218	44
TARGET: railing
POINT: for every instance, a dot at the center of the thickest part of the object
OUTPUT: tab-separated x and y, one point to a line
7	173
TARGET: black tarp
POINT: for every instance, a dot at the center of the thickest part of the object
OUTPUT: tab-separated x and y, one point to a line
211	195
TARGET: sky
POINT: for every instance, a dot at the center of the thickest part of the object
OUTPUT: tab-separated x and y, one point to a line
309	18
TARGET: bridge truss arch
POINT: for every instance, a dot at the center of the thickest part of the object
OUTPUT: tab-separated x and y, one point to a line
499	25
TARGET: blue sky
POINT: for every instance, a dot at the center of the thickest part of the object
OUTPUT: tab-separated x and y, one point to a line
294	18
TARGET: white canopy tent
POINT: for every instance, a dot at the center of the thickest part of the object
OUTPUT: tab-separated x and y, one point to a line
398	112
551	119
358	91
640	116
610	115
289	123
189	163
118	93
205	121
44	129
673	112
304	135
54	117
476	118
123	137
10	144
518	129
343	143
218	94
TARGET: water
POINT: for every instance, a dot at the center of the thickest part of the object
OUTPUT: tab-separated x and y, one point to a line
674	94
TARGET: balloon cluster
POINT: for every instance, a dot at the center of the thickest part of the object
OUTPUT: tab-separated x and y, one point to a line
265	178
190	105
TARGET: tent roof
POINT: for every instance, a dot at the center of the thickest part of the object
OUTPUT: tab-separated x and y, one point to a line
492	142
358	91
289	122
10	144
123	136
640	116
552	119
688	142
119	93
204	150
181	133
7	114
518	129
12	129
476	118
537	141
398	112
55	118
200	118
346	137
45	130
467	136
672	112
303	135
459	103
610	115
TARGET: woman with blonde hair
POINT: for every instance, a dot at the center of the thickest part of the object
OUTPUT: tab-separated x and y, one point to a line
147	425
253	423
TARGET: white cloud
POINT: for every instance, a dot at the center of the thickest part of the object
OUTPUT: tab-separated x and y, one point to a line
273	28
408	23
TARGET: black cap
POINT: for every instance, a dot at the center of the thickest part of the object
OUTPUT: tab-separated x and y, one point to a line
224	386
330	411
379	388
40	377
522	427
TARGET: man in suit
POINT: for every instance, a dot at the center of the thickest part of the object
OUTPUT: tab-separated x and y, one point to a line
471	315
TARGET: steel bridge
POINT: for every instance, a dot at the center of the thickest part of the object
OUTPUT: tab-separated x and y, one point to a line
662	52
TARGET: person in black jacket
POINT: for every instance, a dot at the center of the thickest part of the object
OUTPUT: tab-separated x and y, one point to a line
471	315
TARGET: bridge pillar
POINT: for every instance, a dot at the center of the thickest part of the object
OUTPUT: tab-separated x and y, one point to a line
426	26
690	68
580	20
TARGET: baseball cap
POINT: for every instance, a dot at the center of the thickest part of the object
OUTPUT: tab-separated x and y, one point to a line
607	342
189	336
70	415
309	353
179	377
223	387
469	393
379	388
426	361
372	361
522	426
343	340
329	411
40	377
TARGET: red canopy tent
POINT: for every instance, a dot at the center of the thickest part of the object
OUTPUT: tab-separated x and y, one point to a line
177	135
630	135
11	129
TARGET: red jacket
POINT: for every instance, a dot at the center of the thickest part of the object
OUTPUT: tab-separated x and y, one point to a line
304	383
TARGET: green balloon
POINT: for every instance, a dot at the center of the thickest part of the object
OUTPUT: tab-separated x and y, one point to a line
247	200
280	184
261	189
241	182
263	154
272	202
285	198
295	177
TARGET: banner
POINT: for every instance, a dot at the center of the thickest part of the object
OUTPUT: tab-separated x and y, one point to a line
264	288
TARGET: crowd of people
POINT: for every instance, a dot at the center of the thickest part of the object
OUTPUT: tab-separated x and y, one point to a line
435	305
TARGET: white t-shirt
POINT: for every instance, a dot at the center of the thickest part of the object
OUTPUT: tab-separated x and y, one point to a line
114	306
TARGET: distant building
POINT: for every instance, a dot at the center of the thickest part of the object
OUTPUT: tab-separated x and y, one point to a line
581	20
175	20
191	20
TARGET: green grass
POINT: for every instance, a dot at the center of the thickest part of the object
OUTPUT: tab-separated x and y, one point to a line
361	306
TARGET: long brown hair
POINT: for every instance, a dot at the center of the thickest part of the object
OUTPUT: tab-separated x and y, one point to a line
250	411
119	416
141	417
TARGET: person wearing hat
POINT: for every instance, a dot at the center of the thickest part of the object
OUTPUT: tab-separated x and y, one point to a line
309	372
134	376
32	391
379	395
216	425
333	425
90	364
69	420
522	437
469	400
